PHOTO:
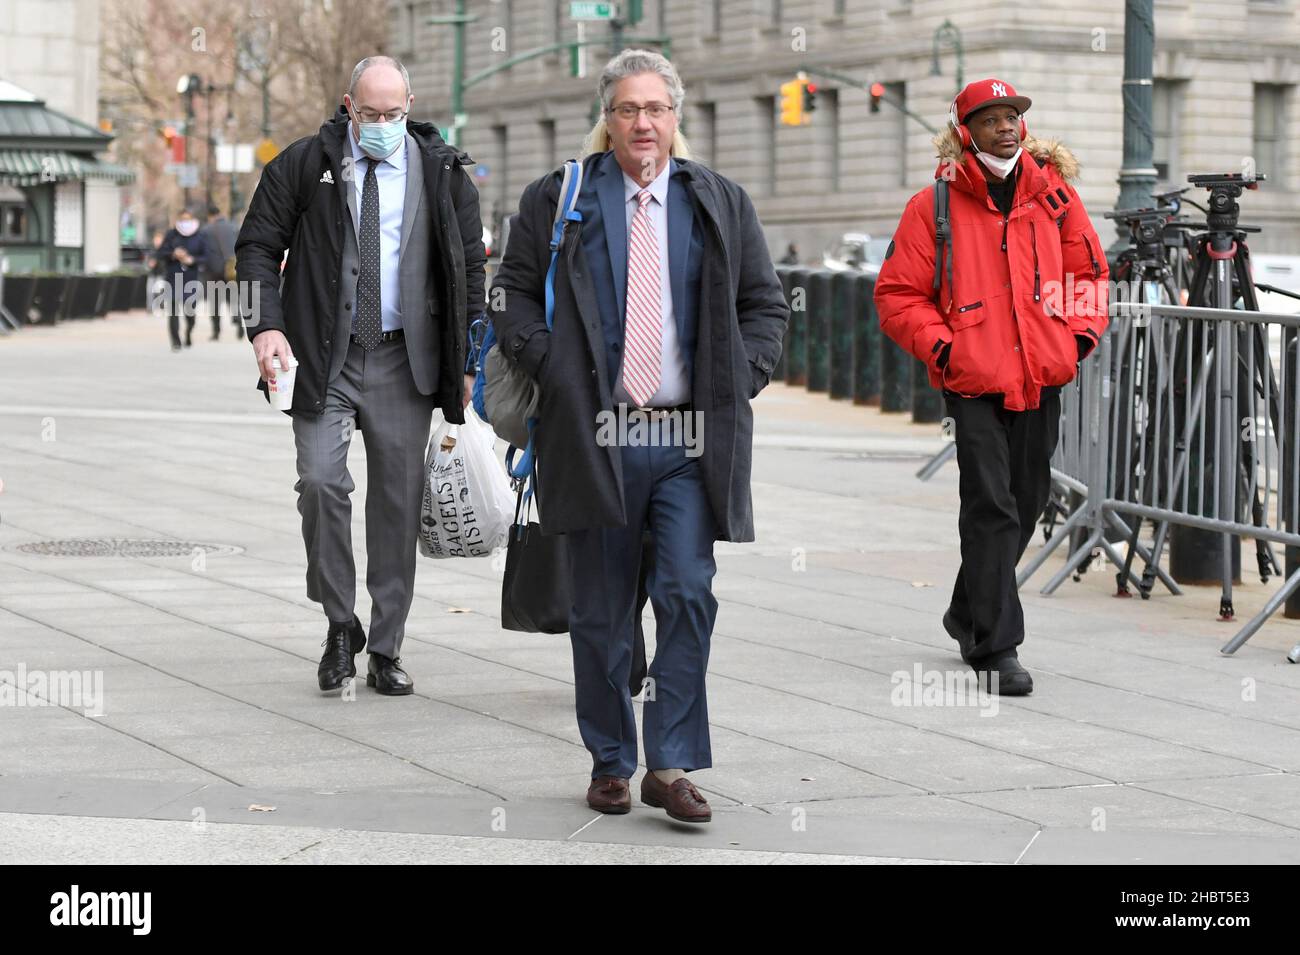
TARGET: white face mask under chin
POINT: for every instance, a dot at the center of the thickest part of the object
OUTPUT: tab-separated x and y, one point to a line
998	166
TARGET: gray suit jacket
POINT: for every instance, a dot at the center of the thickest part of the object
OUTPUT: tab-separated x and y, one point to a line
417	300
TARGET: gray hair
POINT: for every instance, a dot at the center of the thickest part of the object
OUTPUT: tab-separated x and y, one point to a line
630	63
370	61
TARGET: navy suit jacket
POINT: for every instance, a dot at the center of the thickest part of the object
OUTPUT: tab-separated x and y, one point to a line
604	239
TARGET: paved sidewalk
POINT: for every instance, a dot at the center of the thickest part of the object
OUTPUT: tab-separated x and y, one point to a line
1141	742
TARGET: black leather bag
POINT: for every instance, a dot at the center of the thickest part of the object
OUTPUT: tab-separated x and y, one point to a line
535	595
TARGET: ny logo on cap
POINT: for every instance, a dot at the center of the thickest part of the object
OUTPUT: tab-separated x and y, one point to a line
999	89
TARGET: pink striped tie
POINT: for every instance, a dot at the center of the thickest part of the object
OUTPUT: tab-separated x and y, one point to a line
644	326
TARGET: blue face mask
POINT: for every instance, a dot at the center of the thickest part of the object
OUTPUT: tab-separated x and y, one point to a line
379	140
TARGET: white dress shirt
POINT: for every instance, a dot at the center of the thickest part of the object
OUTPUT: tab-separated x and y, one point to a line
674	388
390	176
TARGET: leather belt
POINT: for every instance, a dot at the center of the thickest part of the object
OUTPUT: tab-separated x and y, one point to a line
394	335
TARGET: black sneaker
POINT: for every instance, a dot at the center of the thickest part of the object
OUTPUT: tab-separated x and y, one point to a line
343	642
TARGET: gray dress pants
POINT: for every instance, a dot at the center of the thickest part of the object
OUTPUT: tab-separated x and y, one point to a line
376	395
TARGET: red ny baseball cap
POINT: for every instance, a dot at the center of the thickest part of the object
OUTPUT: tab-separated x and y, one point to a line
990	92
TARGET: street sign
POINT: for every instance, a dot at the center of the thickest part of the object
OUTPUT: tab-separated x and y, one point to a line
187	175
481	172
591	11
266	151
234	157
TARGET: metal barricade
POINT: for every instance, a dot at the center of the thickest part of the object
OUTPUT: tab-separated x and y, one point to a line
1187	418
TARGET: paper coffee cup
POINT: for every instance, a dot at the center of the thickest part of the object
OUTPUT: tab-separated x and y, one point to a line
280	385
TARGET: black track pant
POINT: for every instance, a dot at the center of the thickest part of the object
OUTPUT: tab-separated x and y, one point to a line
1005	461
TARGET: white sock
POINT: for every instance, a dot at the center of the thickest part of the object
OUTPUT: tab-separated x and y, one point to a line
669	776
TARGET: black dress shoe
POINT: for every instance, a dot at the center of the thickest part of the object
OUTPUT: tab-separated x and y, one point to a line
965	642
387	677
1004	676
343	642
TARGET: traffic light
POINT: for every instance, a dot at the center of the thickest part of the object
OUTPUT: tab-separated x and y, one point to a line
809	96
175	141
792	103
877	91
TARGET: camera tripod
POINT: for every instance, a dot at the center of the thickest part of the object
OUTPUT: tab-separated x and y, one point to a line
1220	277
1144	276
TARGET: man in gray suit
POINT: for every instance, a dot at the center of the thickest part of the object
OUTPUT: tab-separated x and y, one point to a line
385	267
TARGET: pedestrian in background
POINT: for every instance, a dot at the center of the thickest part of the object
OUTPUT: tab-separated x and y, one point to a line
1001	312
158	283
182	254
219	268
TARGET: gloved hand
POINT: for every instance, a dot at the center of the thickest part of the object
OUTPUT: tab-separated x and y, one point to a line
1085	344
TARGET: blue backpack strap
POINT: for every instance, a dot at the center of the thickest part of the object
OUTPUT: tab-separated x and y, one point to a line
565	212
482	336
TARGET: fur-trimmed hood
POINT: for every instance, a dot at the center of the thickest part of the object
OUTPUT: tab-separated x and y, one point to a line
948	147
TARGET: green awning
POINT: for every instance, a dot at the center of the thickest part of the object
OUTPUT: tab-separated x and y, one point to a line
31	167
98	169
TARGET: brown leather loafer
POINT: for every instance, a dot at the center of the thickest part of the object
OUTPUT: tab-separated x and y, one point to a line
609	794
682	801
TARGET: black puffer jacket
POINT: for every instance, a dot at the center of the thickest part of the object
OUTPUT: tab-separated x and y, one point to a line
299	207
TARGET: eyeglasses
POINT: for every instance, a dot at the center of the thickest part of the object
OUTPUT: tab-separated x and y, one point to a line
628	113
370	116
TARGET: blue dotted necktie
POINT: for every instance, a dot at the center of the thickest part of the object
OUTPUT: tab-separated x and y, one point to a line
368	324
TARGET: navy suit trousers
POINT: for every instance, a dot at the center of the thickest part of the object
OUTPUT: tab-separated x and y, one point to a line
663	491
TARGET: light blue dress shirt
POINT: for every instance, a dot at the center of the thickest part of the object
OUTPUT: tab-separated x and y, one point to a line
390	176
674	389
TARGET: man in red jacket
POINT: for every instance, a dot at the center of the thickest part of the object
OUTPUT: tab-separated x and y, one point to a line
1002	312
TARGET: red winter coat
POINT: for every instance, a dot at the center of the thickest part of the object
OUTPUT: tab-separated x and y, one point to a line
1011	316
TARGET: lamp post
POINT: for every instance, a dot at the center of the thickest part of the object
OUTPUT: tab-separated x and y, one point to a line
460	82
1137	175
948	32
187	86
207	172
459	20
231	129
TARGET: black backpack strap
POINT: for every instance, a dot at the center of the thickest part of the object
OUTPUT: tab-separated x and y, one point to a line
942	234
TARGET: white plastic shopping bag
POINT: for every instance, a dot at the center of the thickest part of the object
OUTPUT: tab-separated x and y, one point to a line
468	506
